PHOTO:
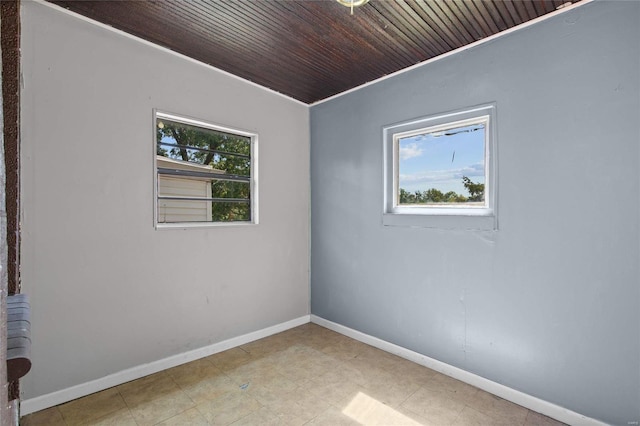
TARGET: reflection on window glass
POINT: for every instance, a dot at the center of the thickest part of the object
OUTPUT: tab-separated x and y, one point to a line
442	167
204	174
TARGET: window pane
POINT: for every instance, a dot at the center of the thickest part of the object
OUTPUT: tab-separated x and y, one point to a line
230	189
443	168
204	146
204	175
231	212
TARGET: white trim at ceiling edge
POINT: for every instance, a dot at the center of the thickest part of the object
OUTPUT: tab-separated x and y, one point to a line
458	50
52	399
164	49
531	402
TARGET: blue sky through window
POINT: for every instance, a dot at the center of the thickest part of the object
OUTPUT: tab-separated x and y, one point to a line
440	159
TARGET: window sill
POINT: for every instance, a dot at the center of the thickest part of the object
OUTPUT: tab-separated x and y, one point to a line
201	225
484	222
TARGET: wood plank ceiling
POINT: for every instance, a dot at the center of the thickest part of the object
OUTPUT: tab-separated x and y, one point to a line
311	49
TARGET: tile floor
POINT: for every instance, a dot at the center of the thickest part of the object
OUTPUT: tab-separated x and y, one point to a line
304	376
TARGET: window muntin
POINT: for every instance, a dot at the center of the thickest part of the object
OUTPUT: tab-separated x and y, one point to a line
442	166
205	174
419	156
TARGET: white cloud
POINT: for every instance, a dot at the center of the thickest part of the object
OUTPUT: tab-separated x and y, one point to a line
410	150
472	170
433	176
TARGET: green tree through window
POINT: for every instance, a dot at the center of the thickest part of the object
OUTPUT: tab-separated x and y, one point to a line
435	196
217	162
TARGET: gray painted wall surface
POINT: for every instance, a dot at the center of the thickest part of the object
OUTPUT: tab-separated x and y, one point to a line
550	303
108	291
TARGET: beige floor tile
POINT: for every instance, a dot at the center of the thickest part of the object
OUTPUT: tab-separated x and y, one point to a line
435	406
333	417
298	355
337	374
416	417
260	417
265	395
191	417
141	391
155	398
500	410
160	409
286	358
344	349
298	404
92	407
411	371
345	370
262	371
472	417
381	358
280	383
207	388
228	409
455	389
288	419
367	410
50	416
372	376
194	369
480	400
312	406
297	374
316	364
119	418
230	359
315	342
392	394
148	386
270	345
537	419
337	394
389	388
313	335
507	413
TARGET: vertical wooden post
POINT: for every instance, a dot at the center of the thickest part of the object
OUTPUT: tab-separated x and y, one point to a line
10	41
10	47
4	385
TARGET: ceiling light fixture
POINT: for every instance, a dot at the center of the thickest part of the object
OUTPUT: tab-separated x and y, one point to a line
352	3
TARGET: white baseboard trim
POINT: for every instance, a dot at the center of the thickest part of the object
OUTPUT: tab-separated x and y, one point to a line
32	405
535	404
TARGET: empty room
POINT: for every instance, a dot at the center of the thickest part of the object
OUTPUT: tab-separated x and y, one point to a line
383	212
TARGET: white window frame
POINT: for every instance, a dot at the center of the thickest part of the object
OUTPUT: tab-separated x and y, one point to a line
253	181
442	216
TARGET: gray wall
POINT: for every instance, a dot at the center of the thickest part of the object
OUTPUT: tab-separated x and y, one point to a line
108	291
549	303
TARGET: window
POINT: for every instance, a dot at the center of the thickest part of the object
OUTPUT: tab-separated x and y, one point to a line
440	171
204	174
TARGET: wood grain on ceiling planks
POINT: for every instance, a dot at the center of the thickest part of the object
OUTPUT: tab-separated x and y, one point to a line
311	49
